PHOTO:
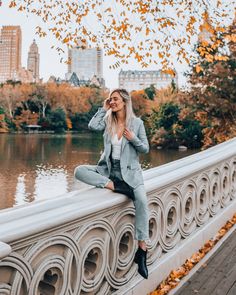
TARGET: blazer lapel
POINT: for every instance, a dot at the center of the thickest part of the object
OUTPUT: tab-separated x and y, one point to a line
123	143
124	140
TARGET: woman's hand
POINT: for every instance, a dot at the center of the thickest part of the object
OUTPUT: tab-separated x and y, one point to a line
128	134
106	104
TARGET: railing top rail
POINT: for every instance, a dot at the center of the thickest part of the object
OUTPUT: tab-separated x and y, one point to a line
20	222
218	150
5	250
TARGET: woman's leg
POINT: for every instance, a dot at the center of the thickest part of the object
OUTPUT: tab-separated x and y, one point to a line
141	229
141	216
140	204
89	175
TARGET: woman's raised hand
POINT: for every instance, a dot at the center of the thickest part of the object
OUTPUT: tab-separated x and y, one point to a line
106	104
128	134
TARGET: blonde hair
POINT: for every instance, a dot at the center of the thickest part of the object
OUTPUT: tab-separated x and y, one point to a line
110	117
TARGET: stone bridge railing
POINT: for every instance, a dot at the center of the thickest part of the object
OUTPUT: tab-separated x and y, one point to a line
82	242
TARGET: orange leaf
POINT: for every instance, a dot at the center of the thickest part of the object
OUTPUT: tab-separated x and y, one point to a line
65	40
198	68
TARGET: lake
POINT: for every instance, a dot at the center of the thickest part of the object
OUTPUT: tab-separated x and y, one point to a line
39	166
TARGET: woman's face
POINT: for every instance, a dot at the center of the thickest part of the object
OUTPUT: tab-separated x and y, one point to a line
116	102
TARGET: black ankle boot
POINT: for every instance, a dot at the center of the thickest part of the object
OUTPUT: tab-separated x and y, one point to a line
141	259
123	188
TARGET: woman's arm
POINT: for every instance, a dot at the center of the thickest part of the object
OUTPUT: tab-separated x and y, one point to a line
97	122
140	141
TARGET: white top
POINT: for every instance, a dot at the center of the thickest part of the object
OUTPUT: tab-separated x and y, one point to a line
116	146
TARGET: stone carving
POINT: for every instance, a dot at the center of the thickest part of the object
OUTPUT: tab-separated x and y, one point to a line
94	254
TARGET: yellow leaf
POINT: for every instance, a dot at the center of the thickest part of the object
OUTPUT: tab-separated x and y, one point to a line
147	31
12	4
204	43
169	71
192	19
198	68
138	57
220	57
65	40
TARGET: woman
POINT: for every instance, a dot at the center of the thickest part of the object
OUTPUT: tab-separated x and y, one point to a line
118	168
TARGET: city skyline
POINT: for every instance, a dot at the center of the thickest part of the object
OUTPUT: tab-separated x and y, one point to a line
75	54
25	63
49	58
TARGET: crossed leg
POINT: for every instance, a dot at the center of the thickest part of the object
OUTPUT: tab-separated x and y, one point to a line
88	174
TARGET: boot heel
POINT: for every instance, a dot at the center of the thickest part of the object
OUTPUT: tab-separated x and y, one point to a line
141	259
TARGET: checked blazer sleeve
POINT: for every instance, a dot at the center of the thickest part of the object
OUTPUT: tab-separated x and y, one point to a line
97	122
140	141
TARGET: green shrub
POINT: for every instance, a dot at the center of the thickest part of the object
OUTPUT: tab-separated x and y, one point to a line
57	119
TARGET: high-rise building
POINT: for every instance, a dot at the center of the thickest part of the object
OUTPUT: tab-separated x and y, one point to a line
10	52
33	61
137	80
85	63
23	75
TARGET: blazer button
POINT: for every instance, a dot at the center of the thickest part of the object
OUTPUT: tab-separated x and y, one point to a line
128	167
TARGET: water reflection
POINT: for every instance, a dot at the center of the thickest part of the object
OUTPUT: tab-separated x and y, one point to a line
39	166
49	178
21	194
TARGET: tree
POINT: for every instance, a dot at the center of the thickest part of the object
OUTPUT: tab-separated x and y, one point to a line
58	120
40	97
148	31
141	104
189	132
212	96
25	118
167	115
173	125
165	95
9	98
3	125
150	91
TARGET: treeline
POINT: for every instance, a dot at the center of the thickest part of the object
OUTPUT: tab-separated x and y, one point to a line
200	117
56	107
205	114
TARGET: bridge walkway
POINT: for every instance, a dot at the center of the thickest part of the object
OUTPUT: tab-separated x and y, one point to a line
218	275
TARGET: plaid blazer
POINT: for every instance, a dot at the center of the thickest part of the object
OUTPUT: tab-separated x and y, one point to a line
129	160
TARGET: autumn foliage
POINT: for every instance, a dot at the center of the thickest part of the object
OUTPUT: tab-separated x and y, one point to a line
26	104
142	105
3	125
212	97
204	114
148	31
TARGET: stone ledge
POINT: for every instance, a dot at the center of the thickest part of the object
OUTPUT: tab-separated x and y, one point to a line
5	250
16	223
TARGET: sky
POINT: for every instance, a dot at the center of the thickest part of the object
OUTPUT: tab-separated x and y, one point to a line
49	58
